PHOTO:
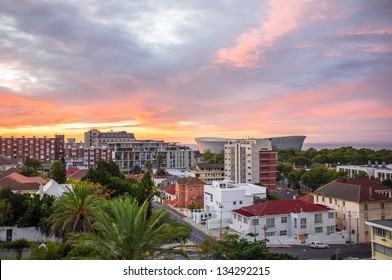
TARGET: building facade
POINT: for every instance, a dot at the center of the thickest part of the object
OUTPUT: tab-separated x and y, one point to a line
208	172
381	172
131	154
221	197
45	149
287	222
356	201
187	191
381	238
251	161
96	138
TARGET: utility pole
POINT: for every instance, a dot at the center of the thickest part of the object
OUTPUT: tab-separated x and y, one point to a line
349	226
265	231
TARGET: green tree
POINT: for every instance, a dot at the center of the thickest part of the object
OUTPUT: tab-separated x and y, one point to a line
33	163
12	205
387	182
144	191
232	247
148	166
38	211
57	172
124	231
74	211
361	174
299	160
295	178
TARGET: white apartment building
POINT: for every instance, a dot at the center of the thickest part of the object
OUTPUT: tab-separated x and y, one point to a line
96	138
382	172
242	159
287	222
222	197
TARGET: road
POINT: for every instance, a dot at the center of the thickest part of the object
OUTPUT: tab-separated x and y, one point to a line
307	253
197	235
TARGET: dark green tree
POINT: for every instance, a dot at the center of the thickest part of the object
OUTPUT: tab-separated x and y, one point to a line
12	206
144	191
57	172
148	166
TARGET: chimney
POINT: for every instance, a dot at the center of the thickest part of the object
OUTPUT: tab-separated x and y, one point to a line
370	192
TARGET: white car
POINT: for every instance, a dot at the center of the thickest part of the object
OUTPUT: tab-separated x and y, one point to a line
318	245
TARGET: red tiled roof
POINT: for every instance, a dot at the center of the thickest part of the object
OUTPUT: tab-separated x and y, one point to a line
71	170
279	207
8	172
137	177
307	198
18	182
39	180
78	174
190	181
170	189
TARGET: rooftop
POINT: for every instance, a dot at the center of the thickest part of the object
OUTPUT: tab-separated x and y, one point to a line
280	207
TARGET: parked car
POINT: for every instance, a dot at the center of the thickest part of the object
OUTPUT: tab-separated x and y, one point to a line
318	245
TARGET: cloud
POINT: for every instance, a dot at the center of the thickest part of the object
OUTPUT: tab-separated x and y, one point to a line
181	69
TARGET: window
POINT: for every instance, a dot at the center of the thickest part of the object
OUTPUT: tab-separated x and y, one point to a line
303	223
344	203
246	220
330	200
270	233
270	222
318	229
283	220
318	218
331	215
330	230
283	233
295	222
240	201
234	202
239	218
255	222
383	250
365	207
382	206
235	216
322	199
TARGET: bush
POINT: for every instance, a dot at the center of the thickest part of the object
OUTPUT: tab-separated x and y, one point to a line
50	251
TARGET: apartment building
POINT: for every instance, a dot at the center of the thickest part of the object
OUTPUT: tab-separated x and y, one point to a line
208	172
96	138
251	161
381	238
136	153
44	148
356	201
376	170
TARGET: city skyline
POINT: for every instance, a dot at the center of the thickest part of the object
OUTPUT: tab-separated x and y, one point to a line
176	71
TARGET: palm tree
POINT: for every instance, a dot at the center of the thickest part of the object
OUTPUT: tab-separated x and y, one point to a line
123	231
75	211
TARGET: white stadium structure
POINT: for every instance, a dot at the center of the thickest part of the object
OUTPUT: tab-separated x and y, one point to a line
216	145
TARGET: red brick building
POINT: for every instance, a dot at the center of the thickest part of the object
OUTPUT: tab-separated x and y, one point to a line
45	149
268	162
189	190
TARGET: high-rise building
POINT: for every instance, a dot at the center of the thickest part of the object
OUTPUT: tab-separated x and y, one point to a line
96	138
45	149
251	161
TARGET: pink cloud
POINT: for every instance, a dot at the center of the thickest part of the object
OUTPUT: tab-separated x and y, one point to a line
284	16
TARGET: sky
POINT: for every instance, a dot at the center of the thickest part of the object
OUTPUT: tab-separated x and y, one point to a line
175	70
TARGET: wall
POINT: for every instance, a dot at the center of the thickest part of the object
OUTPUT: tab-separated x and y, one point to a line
29	233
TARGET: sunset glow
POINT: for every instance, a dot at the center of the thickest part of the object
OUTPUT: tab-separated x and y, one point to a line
176	70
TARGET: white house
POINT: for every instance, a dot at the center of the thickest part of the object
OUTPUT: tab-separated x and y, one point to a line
288	222
222	197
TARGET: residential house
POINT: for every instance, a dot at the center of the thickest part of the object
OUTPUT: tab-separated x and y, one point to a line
287	222
381	238
356	201
6	163
189	190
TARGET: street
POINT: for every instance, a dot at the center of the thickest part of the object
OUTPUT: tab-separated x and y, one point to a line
344	251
